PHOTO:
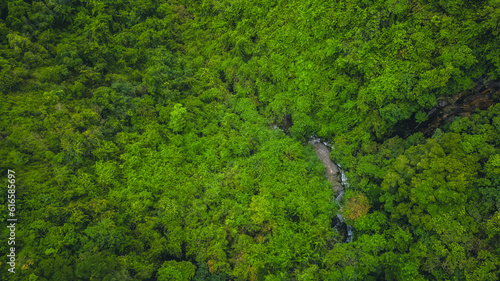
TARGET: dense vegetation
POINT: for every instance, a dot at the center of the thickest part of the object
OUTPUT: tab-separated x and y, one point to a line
141	133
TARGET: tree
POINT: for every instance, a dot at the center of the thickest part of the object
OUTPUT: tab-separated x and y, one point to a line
176	271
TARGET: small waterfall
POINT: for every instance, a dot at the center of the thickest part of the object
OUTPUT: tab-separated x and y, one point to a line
315	139
339	196
344	182
274	127
343	177
349	234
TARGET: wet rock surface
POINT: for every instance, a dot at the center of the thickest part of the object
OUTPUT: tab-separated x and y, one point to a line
337	178
332	172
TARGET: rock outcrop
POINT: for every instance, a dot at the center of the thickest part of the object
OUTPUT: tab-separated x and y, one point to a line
485	94
332	171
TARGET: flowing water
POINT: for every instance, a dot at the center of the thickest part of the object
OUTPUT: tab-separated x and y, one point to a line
335	174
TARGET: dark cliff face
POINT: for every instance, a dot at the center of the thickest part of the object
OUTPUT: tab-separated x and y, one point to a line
485	94
332	171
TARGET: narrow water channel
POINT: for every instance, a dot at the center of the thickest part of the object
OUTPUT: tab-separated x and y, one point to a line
335	174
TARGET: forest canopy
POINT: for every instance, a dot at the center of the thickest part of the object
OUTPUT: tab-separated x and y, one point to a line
168	140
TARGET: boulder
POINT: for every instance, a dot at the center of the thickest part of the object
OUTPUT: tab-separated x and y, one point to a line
332	170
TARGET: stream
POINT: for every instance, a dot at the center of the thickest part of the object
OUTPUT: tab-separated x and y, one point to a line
336	176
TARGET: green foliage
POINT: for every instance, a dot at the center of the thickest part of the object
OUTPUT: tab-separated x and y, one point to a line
177	118
143	136
421	116
176	271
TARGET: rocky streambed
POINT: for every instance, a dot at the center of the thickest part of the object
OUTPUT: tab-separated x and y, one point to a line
332	172
337	178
